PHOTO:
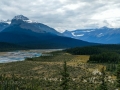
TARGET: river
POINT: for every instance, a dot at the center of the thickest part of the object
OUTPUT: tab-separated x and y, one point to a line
20	55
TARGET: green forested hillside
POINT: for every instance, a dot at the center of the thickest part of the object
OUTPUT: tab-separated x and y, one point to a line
98	54
90	50
105	57
8	47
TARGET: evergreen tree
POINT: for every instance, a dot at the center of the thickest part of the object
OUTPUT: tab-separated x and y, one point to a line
103	85
118	75
65	77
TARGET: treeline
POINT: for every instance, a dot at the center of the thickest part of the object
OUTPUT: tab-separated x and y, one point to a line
84	50
105	57
98	54
10	47
91	50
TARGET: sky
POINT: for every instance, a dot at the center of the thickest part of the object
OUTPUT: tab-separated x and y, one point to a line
65	14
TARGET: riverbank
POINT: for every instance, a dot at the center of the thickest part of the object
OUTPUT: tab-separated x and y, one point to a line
20	55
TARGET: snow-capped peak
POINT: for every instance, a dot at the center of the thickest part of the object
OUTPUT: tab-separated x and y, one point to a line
21	17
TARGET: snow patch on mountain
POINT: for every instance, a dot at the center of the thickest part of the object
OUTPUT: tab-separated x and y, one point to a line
88	30
73	33
100	35
9	22
30	21
5	21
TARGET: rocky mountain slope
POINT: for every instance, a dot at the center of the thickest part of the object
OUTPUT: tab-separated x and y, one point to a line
99	35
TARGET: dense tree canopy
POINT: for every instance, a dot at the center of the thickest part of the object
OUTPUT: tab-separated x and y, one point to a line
90	50
9	47
105	57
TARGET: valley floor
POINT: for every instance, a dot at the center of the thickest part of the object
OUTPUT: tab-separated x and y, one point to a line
44	73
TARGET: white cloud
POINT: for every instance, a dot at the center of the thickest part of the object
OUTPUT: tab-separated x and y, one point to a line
107	14
65	14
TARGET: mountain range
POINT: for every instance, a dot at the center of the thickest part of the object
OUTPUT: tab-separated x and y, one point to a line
25	32
102	35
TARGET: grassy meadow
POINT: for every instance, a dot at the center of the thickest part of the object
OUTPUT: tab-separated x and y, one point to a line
44	73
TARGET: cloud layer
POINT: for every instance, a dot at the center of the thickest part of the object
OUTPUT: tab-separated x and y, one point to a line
65	14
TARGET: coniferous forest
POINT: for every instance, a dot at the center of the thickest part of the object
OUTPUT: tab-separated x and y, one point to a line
90	50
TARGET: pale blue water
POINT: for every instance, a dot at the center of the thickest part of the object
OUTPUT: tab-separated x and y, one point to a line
17	56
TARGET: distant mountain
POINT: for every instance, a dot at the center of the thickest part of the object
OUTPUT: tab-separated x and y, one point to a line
4	24
26	33
25	23
99	35
30	39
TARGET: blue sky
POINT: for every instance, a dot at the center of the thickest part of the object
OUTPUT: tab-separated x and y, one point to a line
65	14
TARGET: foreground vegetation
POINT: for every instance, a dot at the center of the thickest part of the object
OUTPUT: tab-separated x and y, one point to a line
106	55
86	68
47	73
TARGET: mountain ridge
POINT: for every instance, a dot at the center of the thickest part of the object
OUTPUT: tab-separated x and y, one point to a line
103	35
36	35
26	23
